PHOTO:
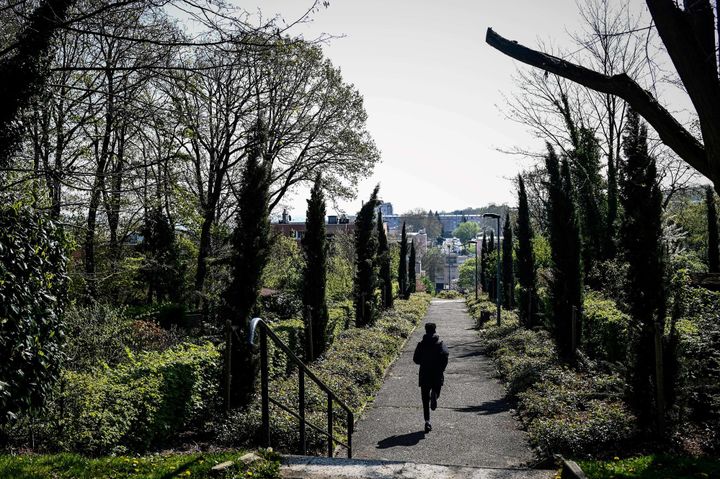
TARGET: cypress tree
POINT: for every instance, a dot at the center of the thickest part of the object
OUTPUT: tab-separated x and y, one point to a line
566	283
384	261
713	251
508	278
483	264
442	226
315	273
161	268
610	248
412	285
250	248
402	266
591	201
492	267
641	234
525	259
366	246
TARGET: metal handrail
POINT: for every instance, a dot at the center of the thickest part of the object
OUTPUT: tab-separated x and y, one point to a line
303	370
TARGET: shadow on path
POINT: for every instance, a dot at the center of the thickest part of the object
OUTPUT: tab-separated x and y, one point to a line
409	439
488	407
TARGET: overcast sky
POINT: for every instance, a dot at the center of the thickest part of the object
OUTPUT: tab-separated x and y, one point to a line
432	87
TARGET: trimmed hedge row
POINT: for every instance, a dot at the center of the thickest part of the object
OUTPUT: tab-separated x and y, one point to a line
353	367
132	406
564	411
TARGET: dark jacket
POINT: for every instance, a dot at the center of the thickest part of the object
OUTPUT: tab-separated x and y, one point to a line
432	356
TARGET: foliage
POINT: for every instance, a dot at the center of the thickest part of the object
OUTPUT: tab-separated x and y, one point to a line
565	411
508	273
384	260
650	467
156	466
402	265
713	248
449	294
642	247
161	268
412	280
315	274
366	245
141	403
102	334
566	282
466	274
341	268
525	259
605	329
33	286
353	367
466	231
283	271
250	250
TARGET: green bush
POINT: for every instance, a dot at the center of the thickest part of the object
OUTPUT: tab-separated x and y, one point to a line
101	334
32	296
353	367
565	411
137	404
604	329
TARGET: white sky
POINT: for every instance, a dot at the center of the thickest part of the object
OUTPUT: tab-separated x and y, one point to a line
432	87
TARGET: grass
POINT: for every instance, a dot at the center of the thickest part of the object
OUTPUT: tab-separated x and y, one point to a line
74	466
652	467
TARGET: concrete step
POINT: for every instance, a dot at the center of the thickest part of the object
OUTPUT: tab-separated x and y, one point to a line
305	467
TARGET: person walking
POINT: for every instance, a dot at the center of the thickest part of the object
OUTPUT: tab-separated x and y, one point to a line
432	356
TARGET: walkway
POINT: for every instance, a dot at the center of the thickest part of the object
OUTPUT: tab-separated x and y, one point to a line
472	425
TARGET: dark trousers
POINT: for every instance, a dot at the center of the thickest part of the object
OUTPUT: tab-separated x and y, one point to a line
425	394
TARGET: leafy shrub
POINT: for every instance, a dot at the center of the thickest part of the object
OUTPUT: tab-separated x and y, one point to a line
353	367
32	296
604	329
134	405
565	411
101	333
449	294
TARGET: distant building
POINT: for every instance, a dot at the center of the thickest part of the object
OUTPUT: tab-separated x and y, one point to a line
296	229
385	208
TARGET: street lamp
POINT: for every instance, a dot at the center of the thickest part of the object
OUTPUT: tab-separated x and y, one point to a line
476	243
497	289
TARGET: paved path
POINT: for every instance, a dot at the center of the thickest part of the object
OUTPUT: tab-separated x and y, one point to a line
472	425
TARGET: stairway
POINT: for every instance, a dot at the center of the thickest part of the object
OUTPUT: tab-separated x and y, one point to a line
305	467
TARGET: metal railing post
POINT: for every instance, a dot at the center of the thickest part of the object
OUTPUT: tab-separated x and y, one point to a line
264	386
330	424
301	398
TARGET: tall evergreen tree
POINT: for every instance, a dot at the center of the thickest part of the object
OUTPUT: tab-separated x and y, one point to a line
161	268
412	280
442	226
713	251
366	246
566	283
508	275
483	264
591	200
612	209
250	248
315	273
402	265
384	262
492	267
641	234
525	259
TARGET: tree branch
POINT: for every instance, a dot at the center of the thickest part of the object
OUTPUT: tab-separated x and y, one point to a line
671	132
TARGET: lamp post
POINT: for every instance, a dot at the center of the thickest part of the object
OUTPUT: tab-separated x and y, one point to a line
476	243
497	289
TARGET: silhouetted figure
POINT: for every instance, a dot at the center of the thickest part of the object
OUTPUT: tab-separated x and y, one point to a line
432	356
